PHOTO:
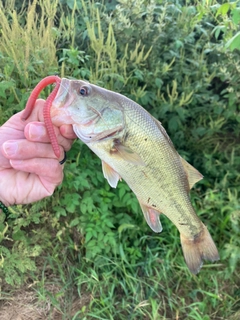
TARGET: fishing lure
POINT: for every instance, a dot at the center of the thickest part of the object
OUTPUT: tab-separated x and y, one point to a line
46	110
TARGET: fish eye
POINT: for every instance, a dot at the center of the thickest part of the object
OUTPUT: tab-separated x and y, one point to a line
84	91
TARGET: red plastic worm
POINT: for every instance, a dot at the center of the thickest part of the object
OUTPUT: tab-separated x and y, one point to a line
46	110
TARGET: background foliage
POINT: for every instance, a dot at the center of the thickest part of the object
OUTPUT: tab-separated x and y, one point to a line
180	61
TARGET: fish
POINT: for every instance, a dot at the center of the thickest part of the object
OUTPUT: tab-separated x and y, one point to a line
134	146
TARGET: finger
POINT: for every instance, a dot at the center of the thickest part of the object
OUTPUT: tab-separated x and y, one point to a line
37	112
24	149
14	127
49	169
4	162
66	130
36	131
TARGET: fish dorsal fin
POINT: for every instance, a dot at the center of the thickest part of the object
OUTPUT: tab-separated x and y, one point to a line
193	174
152	218
111	175
125	153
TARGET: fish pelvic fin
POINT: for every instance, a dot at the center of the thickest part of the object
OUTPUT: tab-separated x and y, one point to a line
111	175
152	217
193	174
200	248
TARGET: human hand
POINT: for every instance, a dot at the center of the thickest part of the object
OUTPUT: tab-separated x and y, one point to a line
29	169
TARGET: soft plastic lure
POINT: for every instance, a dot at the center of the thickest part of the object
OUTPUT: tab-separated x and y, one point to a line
46	110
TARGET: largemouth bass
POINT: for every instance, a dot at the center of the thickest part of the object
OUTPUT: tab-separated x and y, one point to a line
135	147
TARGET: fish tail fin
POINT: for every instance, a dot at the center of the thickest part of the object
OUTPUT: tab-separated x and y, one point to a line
200	248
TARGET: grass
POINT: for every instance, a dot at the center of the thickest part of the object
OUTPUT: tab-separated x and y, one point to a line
31	46
158	287
152	289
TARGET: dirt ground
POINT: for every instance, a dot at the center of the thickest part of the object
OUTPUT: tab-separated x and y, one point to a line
23	305
26	305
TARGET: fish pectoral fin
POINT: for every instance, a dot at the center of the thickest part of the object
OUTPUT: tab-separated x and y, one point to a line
111	175
193	174
152	217
127	154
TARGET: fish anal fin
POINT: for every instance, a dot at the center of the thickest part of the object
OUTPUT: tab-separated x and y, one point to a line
198	249
111	175
193	174
126	153
152	217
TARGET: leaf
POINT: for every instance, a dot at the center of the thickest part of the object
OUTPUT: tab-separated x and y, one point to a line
234	42
109	224
74	222
125	226
135	206
19	235
60	211
92	243
223	9
236	15
158	82
88	237
122	191
173	123
179	44
5	85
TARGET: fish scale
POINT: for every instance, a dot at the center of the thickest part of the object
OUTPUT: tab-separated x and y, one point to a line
135	147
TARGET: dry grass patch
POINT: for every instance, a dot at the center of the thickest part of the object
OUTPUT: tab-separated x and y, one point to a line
24	304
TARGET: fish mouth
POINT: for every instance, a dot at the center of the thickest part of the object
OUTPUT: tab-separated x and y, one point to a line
59	108
62	94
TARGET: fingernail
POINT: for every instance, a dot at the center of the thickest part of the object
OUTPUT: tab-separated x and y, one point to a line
10	148
36	131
